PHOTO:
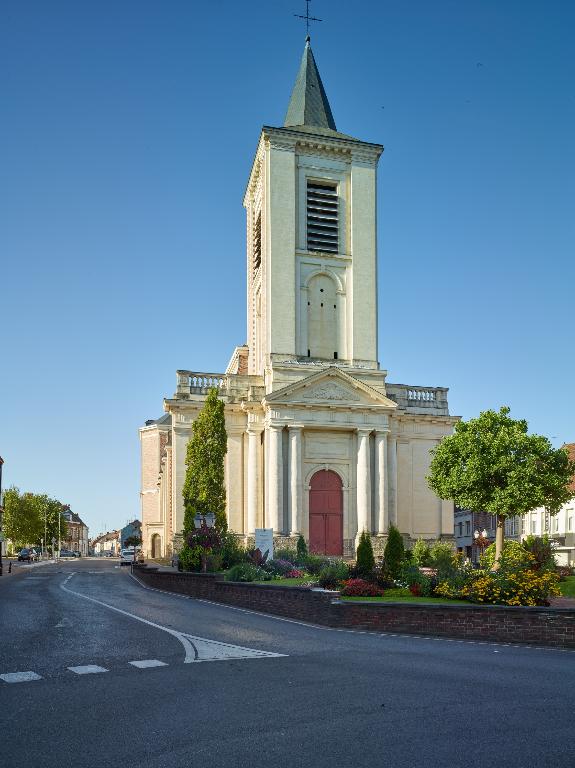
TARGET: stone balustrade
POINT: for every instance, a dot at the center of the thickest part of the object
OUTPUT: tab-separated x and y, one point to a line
430	400
194	383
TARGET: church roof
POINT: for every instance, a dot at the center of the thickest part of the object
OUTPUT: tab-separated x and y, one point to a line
308	104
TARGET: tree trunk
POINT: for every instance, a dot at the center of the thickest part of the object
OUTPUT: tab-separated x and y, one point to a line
499	537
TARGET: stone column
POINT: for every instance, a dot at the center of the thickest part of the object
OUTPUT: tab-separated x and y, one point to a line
381	495
275	475
235	480
363	482
253	479
296	492
392	480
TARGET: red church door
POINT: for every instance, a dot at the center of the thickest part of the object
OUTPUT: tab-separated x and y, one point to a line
326	514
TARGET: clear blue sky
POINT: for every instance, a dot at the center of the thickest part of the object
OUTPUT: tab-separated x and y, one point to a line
127	130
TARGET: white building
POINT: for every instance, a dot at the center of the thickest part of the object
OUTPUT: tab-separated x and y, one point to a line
318	442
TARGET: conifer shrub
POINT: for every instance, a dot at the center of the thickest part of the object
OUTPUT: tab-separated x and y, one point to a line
393	552
365	560
301	550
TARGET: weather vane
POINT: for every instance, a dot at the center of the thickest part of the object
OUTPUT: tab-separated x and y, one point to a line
307	17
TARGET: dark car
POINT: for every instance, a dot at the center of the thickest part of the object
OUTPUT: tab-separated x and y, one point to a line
26	555
66	553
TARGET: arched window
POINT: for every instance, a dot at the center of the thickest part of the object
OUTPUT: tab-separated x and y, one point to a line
322	317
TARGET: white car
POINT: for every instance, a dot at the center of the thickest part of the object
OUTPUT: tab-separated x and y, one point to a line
127	556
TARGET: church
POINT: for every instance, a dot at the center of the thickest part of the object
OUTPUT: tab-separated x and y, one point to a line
319	443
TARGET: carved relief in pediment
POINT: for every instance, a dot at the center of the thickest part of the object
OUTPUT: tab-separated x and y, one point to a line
331	391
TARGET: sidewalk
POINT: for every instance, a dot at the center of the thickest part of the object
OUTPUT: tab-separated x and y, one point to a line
20	567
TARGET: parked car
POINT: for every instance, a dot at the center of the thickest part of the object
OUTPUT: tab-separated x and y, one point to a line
66	553
127	556
25	555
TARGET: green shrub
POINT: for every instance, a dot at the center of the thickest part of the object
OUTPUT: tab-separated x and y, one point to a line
231	551
411	577
286	553
314	563
420	553
514	556
393	553
542	551
365	561
190	558
247	572
331	575
441	558
301	549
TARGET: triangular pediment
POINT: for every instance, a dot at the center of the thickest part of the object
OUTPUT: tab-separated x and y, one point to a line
328	388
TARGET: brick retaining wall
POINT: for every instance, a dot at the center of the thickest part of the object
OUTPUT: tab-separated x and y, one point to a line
539	626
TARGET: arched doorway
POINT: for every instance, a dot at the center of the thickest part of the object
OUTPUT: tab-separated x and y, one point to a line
326	513
156	545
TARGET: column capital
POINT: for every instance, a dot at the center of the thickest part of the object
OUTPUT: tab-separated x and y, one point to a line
275	427
364	430
381	431
295	427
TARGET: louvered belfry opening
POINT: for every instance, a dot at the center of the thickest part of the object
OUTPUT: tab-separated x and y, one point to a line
257	241
322	217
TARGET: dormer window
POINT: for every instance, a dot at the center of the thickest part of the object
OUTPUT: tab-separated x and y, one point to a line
322	217
257	242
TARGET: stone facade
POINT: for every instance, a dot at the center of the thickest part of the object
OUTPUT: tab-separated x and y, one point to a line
306	395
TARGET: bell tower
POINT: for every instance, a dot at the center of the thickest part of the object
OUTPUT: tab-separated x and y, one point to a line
311	241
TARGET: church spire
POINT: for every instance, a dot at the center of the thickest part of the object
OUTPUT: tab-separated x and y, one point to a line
308	104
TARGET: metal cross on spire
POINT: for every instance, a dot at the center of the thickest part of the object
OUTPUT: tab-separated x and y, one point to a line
307	17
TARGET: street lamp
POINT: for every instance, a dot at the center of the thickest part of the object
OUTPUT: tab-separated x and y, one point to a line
208	519
481	540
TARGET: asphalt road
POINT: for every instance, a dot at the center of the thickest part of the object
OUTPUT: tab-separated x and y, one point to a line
216	687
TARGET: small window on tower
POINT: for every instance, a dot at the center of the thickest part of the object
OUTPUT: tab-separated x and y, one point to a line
257	242
322	217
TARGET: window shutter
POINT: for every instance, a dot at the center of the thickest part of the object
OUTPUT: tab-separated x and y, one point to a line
322	217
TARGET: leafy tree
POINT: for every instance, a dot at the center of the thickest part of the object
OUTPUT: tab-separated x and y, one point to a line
490	464
204	489
28	516
393	552
133	541
365	561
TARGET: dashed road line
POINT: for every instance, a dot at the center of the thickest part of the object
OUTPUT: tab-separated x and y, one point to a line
19	677
88	669
147	663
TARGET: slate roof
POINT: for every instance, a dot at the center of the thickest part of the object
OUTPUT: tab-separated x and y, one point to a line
308	103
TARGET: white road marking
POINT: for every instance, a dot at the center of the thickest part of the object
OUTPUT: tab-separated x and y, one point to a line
87	669
145	663
19	677
196	648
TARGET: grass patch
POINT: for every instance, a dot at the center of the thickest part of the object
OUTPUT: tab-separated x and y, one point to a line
567	587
